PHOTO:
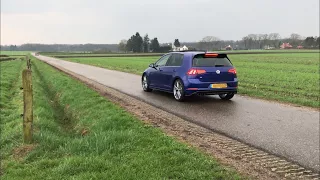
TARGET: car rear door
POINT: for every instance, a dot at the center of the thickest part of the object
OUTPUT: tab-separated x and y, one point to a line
170	70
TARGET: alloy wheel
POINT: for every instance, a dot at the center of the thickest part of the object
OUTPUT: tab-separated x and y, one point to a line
144	83
177	90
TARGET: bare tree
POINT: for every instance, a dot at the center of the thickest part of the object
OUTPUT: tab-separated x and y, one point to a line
265	39
274	36
210	39
260	39
295	39
122	45
295	36
254	37
209	43
246	40
274	39
253	41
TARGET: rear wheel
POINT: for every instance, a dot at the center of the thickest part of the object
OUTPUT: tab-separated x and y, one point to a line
226	96
178	90
145	84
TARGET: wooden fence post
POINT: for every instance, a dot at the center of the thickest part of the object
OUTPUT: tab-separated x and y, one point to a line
28	62
27	110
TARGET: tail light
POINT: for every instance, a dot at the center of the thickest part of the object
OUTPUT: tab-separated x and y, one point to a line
232	71
196	71
208	55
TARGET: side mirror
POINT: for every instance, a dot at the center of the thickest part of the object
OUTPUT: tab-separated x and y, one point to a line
152	65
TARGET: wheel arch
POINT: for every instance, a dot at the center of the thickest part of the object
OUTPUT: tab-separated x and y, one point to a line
143	74
174	80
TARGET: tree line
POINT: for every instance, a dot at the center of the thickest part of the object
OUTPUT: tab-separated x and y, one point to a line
62	47
259	41
252	41
139	44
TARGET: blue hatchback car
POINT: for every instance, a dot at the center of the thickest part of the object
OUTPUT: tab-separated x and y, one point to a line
192	72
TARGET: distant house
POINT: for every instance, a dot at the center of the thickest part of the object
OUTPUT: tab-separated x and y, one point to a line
285	46
300	47
228	48
268	47
183	48
173	47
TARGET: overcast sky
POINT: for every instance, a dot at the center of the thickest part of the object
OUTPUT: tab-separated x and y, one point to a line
102	21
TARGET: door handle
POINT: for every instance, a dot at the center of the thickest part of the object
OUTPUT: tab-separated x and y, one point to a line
160	70
174	70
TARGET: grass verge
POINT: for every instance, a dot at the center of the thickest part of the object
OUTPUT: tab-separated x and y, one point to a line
81	135
11	106
292	78
14	53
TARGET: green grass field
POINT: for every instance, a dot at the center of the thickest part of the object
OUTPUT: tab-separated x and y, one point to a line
80	135
57	54
10	53
78	54
292	78
278	50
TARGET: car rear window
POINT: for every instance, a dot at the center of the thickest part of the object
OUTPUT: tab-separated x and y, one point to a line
201	61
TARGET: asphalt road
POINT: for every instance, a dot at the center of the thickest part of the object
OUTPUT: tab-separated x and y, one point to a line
284	130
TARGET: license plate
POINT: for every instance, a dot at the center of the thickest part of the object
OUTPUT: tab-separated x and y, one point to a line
222	85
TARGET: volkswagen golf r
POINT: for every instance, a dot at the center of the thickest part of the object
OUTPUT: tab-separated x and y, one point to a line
192	72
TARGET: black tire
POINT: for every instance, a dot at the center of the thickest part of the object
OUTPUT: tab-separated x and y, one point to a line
226	96
178	90
145	84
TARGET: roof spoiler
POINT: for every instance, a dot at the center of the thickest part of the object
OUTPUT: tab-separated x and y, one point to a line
190	51
213	55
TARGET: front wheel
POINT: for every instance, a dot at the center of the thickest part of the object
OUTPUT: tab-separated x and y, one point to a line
226	96
145	84
178	90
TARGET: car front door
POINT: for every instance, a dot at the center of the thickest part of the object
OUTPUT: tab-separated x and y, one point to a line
155	76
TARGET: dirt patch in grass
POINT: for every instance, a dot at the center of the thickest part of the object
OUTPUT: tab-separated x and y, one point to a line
22	151
84	132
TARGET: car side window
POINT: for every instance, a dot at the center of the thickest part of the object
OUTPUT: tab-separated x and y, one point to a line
175	60
163	61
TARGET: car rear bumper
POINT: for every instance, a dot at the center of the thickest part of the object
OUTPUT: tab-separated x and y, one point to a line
209	91
204	88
